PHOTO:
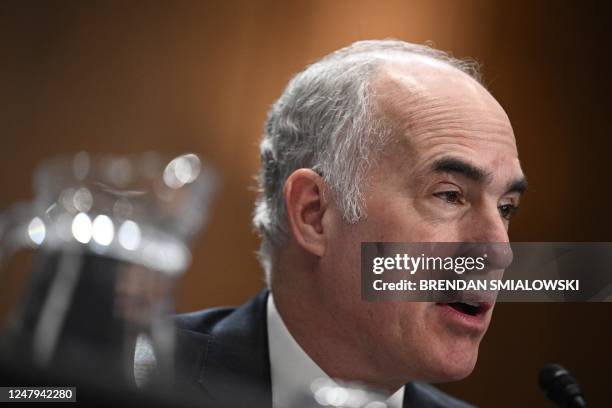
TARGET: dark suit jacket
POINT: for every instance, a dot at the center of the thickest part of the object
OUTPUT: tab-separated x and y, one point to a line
223	354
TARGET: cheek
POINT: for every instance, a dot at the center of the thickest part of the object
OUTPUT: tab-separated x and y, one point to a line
407	336
341	265
397	221
397	335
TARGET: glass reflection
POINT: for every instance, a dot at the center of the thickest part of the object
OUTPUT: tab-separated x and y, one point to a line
37	231
82	228
103	230
129	235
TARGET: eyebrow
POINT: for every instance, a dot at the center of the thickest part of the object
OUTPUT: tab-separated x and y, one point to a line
475	173
461	167
517	186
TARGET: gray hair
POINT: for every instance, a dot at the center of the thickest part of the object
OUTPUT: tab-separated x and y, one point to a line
326	120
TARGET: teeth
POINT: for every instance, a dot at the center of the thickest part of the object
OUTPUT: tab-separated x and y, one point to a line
474	304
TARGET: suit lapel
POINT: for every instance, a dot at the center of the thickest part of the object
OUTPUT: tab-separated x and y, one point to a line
236	364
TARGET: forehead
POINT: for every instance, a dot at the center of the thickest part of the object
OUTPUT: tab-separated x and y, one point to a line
438	110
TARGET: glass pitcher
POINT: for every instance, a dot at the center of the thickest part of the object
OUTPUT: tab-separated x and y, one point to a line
110	237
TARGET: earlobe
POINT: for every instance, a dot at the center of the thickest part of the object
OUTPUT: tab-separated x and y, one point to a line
306	205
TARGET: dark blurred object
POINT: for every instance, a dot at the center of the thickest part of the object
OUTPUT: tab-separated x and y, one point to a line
80	312
560	387
110	236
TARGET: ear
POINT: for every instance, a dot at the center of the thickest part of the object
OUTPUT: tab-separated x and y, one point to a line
306	205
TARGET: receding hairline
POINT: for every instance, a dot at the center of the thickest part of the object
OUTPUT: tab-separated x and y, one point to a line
414	77
414	72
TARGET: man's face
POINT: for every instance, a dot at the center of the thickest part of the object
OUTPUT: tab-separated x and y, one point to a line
451	174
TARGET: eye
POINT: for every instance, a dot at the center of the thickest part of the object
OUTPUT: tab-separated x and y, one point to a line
451	197
507	211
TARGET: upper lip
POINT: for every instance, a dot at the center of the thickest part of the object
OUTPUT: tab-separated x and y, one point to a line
485	299
483	307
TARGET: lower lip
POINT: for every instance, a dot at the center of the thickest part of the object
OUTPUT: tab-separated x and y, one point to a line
461	321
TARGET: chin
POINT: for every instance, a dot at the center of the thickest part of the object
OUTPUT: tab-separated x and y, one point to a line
455	373
451	366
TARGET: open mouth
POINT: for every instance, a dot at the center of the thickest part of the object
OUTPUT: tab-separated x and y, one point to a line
466	315
469	308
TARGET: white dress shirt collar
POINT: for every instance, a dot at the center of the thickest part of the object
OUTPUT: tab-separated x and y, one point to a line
292	371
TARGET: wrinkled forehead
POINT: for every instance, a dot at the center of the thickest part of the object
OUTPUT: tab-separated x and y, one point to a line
426	98
417	78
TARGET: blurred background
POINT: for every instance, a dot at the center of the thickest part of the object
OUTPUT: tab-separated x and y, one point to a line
126	77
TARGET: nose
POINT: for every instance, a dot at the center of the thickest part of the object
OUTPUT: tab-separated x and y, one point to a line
487	229
486	225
